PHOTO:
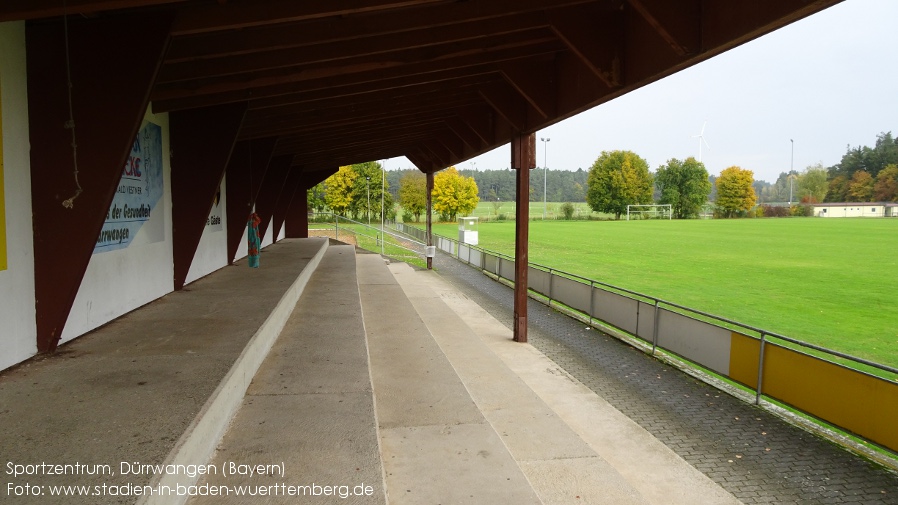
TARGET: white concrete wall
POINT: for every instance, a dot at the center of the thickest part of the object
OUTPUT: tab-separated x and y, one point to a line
117	282
212	251
268	239
18	330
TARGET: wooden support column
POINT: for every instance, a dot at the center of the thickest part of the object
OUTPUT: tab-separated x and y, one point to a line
296	219
112	73
523	159
272	185
245	172
201	143
429	227
292	190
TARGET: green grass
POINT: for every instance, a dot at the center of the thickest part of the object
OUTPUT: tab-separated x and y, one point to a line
366	238
826	281
553	210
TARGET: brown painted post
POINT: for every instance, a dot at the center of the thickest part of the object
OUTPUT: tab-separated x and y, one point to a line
245	172
523	159
296	220
272	185
201	142
112	70
291	191
429	195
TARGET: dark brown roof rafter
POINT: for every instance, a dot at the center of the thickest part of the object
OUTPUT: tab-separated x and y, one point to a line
264	126
356	28
514	45
237	15
346	49
395	89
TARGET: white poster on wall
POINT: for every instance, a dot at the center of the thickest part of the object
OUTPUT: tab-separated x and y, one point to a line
137	196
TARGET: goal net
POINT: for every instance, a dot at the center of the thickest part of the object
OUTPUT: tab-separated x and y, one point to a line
657	211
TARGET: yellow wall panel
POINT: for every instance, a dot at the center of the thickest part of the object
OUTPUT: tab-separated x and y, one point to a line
745	352
2	200
864	405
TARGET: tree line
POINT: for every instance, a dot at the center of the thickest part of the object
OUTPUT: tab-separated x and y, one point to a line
864	174
618	179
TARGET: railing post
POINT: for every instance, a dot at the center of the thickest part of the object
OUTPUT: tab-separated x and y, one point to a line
655	329
551	283
592	300
761	369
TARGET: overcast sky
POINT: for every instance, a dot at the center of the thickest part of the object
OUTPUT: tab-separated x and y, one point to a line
827	81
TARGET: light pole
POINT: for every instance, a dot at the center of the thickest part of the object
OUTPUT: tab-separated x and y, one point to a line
368	188
791	169
545	172
383	188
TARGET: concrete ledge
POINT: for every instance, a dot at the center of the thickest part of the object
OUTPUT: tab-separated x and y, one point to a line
199	441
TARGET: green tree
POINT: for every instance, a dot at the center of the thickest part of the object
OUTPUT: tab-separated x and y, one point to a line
618	179
684	185
735	194
860	189
339	190
812	184
316	195
838	189
885	189
454	194
413	193
368	186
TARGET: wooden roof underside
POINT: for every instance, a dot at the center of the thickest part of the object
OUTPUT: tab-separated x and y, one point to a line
346	81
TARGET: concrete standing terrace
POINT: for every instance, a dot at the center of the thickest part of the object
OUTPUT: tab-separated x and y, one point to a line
393	379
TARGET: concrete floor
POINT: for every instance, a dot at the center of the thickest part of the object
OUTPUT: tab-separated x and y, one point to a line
383	384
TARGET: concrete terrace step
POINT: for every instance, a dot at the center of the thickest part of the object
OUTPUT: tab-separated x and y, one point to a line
310	406
155	386
570	444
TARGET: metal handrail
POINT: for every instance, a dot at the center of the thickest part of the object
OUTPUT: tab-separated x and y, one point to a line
764	334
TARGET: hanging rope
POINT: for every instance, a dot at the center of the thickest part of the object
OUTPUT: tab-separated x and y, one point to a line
70	124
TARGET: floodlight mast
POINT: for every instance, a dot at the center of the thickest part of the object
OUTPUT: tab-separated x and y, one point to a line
545	172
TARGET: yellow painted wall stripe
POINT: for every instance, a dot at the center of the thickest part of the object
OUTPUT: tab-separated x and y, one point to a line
2	200
744	357
864	405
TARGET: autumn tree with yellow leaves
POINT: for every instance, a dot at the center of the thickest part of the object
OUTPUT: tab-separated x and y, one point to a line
454	194
735	194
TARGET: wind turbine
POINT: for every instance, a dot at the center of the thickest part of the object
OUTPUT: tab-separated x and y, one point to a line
701	139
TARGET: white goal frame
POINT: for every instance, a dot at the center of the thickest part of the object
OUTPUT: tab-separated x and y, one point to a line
650	208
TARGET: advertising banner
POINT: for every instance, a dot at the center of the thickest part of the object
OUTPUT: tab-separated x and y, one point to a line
133	214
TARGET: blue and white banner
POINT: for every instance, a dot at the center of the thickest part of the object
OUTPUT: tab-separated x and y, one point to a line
134	208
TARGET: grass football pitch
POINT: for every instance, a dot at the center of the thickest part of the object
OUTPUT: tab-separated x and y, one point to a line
831	282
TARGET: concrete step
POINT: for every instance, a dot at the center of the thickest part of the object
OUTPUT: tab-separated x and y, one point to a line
154	386
571	445
437	446
307	420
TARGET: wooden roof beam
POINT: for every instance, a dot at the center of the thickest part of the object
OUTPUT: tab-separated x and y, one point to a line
17	10
679	24
354	115
232	16
397	89
336	29
471	34
167	98
596	37
535	81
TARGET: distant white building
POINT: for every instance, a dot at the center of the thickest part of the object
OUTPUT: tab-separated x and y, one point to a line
856	209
